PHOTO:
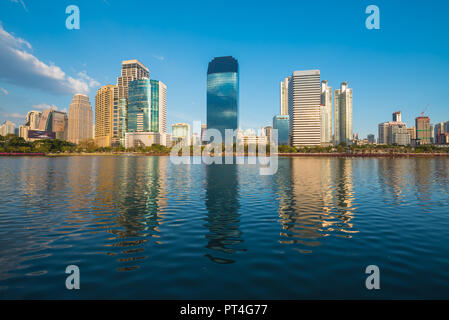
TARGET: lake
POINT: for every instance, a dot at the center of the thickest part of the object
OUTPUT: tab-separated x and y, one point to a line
143	228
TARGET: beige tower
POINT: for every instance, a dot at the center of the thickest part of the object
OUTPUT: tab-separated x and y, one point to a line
104	111
80	119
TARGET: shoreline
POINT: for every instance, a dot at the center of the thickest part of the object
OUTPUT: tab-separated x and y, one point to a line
287	155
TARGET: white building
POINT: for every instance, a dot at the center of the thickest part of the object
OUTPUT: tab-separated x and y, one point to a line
181	133
304	97
326	113
343	114
284	96
7	128
144	139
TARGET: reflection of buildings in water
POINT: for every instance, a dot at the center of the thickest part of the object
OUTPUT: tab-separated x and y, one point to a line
318	201
391	173
131	198
423	177
222	221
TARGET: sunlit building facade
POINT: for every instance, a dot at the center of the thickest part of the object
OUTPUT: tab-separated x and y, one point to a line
55	122
284	96
80	119
343	114
104	116
326	113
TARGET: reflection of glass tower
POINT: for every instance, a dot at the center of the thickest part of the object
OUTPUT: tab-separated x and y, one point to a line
223	94
223	218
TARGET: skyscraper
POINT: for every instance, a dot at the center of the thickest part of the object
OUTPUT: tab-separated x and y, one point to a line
223	94
31	123
131	70
304	97
80	119
104	116
139	106
423	130
281	124
284	96
326	112
397	116
158	106
7	128
343	114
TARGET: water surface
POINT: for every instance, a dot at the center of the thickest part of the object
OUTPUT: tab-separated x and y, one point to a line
142	227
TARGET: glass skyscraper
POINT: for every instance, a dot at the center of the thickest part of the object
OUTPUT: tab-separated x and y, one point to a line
139	106
282	124
223	94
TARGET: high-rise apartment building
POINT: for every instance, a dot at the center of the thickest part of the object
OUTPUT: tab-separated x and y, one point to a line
80	119
223	94
326	113
31	123
397	116
371	138
104	116
131	70
343	114
304	97
412	132
284	96
423	130
158	106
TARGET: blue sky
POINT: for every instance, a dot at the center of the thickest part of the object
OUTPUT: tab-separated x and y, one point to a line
403	66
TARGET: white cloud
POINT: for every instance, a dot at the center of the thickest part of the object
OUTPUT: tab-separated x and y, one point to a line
14	115
22	3
20	67
4	91
160	58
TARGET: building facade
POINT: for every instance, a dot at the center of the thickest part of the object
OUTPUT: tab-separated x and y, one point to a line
326	113
304	97
139	106
80	119
53	121
7	127
104	116
284	96
423	130
282	124
223	94
181	133
343	114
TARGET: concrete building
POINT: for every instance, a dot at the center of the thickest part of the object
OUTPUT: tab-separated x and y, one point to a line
371	139
53	121
104	116
423	130
181	133
343	114
131	70
397	116
7	127
304	97
394	133
80	119
326	113
284	96
144	139
412	132
31	123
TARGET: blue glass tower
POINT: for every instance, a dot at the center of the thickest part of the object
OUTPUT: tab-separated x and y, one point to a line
281	123
223	94
139	106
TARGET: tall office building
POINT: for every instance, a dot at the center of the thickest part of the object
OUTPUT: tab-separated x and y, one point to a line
284	96
223	94
55	122
304	97
412	132
158	106
139	106
104	116
423	130
80	119
131	70
371	139
326	113
281	124
343	114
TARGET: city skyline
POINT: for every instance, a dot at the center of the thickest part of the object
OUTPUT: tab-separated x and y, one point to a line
372	61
